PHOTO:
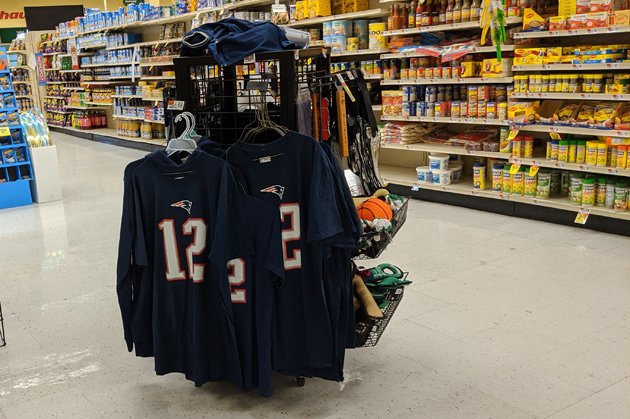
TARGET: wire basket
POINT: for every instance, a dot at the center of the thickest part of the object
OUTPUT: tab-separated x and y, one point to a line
370	330
379	240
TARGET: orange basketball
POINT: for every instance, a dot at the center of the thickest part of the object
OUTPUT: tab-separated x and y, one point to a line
374	208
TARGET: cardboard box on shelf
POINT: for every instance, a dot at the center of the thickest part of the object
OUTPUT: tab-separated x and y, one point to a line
532	21
523	112
567	7
525	56
557	23
318	8
351	6
492	67
620	18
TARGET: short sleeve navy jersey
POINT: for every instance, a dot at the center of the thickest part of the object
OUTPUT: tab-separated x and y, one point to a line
253	277
180	227
293	174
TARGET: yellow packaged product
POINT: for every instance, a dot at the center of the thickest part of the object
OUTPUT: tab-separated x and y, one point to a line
318	8
300	10
492	67
524	112
525	56
469	69
565	114
532	21
557	23
567	7
585	116
622	120
554	55
392	102
602	154
620	18
351	6
605	115
591	153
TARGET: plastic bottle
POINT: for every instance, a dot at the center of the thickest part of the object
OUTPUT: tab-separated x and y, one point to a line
563	151
518	182
475	10
621	197
543	184
602	154
419	13
580	152
390	19
622	156
507	179
600	192
449	12
411	19
427	13
610	194
591	153
572	151
443	16
554	150
457	11
530	188
479	176
576	188
435	13
497	177
466	11
588	192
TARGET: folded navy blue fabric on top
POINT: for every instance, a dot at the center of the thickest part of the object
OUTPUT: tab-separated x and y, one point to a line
230	40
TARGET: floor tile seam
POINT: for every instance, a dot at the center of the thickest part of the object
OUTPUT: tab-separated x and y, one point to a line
587	397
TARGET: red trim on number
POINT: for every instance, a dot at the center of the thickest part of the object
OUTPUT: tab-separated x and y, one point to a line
194	232
168	268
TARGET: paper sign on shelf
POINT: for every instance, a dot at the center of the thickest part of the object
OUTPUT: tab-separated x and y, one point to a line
533	170
513	132
581	217
515	168
554	136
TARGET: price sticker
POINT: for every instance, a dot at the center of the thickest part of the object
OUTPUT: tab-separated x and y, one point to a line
515	168
554	136
5	132
581	217
533	170
513	132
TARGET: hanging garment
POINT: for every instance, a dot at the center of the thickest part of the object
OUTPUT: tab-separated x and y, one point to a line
175	229
293	173
230	40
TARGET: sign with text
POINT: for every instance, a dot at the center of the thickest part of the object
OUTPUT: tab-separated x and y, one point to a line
40	69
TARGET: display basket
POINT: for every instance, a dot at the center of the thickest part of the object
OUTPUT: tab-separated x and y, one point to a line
370	330
379	240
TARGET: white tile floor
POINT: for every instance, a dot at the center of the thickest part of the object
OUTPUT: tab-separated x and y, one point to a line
507	318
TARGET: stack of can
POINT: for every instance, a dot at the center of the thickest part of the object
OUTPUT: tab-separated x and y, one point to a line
346	35
464	101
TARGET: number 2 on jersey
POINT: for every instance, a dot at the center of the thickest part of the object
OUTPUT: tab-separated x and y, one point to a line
292	233
195	227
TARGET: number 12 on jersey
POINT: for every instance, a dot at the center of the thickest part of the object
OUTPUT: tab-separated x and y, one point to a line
292	258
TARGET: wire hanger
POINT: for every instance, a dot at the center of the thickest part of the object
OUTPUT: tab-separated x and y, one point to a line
184	142
261	122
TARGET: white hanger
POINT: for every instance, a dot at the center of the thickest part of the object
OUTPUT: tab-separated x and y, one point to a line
184	142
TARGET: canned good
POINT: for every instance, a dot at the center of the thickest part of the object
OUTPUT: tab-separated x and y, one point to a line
481	109
491	110
352	44
421	109
502	111
409	94
428	72
463	109
447	72
430	112
437	72
455	109
378	67
405	108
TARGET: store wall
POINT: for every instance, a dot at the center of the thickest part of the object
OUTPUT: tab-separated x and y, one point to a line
12	15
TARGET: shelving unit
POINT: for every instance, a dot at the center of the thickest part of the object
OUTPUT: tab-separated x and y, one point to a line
575	130
469	80
461	26
572	32
565	67
354	15
447	120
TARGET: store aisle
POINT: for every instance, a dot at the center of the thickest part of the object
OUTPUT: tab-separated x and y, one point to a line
507	318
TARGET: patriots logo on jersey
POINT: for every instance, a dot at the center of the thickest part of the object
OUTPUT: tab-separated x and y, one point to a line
277	189
184	204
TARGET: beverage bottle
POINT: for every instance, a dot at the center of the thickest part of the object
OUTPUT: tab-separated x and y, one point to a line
405	22
419	13
443	8
427	13
475	10
399	18
390	19
465	10
457	11
411	20
435	13
395	18
449	11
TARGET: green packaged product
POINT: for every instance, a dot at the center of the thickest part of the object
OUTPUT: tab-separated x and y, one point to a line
621	197
543	184
588	192
600	192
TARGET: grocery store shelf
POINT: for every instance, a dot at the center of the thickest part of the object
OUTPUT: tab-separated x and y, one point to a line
373	77
83	108
446	120
71	71
149	78
572	32
562	67
46	70
466	188
346	16
132	118
95	46
147	43
578	167
575	130
445	149
60	112
469	80
112	64
127	96
398	174
22	82
23	96
99	103
475	50
61	82
23	52
357	53
573	96
99	82
448	27
106	134
156	64
54	97
80	54
49	54
77	88
153	122
20	67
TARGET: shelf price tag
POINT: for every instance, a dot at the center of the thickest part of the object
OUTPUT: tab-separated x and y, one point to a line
533	170
5	132
581	217
554	136
515	168
513	132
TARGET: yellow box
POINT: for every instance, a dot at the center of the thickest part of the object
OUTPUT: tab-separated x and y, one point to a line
524	56
469	69
557	23
492	67
621	18
523	111
300	10
318	8
532	21
567	7
337	7
350	6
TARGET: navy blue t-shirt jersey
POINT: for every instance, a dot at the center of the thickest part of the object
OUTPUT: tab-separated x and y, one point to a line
254	277
180	231
293	174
